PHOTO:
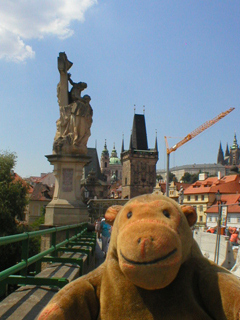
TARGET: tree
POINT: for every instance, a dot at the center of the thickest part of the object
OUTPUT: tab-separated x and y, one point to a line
13	200
159	177
186	178
189	178
172	177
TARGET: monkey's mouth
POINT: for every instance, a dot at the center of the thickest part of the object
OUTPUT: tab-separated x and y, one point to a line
149	262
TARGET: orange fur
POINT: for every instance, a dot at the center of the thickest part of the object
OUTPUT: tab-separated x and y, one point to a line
153	270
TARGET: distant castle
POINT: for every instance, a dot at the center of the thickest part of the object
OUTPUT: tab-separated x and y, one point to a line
232	156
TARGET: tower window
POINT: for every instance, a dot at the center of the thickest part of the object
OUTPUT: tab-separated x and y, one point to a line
105	164
125	181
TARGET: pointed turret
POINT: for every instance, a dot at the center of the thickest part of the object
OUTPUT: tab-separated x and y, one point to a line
131	143
105	150
114	151
156	143
220	158
139	133
122	143
227	151
235	145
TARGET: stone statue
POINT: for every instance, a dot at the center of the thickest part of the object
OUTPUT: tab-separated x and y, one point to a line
73	126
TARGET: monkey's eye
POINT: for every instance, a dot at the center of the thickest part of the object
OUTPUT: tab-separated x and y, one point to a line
166	214
129	214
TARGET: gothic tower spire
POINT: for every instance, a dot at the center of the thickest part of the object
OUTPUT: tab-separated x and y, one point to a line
220	158
156	143
122	143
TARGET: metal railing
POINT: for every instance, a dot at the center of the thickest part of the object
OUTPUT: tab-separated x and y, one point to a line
81	242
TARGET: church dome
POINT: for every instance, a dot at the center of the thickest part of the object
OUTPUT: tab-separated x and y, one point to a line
114	158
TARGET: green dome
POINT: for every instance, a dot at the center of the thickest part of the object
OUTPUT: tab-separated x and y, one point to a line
114	159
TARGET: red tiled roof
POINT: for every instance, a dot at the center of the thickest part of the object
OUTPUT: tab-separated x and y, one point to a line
227	184
17	178
42	192
231	200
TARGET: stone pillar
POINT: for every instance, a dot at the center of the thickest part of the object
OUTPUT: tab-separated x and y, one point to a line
66	206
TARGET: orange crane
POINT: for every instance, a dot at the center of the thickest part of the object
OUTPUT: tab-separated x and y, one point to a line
190	136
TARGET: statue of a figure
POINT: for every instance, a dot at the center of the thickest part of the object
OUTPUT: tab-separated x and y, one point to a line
73	126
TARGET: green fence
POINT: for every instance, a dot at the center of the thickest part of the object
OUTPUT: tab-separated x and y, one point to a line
81	241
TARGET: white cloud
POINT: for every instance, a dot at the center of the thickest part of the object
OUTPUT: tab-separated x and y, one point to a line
21	20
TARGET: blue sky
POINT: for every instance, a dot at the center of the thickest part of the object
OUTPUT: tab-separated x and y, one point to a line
179	59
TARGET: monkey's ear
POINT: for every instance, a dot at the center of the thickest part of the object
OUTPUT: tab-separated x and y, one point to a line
190	214
111	214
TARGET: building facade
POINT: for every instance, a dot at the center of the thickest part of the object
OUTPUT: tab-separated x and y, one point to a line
202	194
139	162
41	196
230	212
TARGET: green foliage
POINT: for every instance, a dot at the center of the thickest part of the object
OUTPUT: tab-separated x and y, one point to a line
186	178
13	200
7	163
159	177
189	178
36	224
172	177
13	194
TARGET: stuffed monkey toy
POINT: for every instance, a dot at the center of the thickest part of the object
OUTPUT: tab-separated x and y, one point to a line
153	270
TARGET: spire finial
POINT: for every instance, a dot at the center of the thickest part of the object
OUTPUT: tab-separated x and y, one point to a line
143	109
134	108
156	144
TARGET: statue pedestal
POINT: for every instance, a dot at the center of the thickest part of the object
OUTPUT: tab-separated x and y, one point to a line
66	206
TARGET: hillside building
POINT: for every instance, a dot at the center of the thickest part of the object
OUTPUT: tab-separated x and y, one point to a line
211	169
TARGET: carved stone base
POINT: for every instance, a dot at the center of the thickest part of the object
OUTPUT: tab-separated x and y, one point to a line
66	206
62	212
64	145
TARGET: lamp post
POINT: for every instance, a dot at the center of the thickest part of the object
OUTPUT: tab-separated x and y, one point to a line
86	193
218	198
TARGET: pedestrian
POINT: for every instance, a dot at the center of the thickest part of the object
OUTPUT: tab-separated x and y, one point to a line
106	233
98	228
234	238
